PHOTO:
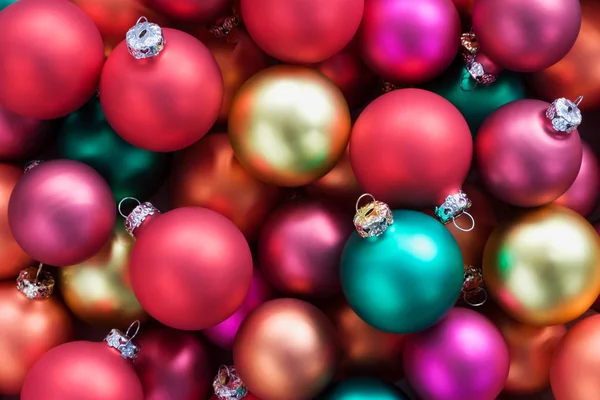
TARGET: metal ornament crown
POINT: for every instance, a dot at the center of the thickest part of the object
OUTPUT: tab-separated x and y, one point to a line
473	286
145	39
228	385
565	114
454	206
31	165
35	283
123	343
373	218
138	215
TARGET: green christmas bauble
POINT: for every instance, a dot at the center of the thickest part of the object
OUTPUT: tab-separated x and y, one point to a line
479	101
86	136
406	279
363	389
6	3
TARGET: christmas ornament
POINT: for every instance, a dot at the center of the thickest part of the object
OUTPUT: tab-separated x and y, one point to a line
583	194
45	81
223	334
526	36
519	146
530	349
300	246
12	257
576	73
97	291
129	171
173	365
289	125
61	212
228	385
207	174
353	389
113	18
339	187
401	271
238	57
190	268
87	370
475	101
473	292
22	136
204	11
349	73
466	349
574	373
32	323
543	266
365	351
422	155
406	44
300	39
161	89
285	349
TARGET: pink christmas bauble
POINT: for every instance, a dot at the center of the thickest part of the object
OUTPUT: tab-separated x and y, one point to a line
521	159
407	42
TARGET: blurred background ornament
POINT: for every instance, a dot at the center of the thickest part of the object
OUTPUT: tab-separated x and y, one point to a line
113	18
97	291
12	257
32	322
85	370
164	103
531	349
300	246
223	334
462	357
364	350
361	388
6	3
575	370
475	101
576	74
207	174
543	266
239	58
21	137
282	29
286	349
193	11
405	44
61	212
173	365
584	193
58	78
422	153
526	36
87	137
191	268
517	152
406	279
289	125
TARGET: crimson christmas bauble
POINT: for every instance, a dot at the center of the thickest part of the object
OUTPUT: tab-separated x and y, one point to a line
20	136
191	268
411	148
52	55
199	11
165	102
61	212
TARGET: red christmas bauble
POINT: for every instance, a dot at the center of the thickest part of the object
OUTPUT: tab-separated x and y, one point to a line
200	11
82	371
191	268
521	159
52	55
411	148
526	36
302	31
61	212
21	136
173	365
163	103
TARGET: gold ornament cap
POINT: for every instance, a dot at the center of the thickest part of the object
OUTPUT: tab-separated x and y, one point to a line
373	218
228	385
473	292
123	342
138	215
35	283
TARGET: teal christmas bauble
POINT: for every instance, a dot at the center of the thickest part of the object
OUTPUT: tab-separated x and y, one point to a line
406	279
479	101
363	389
87	137
6	3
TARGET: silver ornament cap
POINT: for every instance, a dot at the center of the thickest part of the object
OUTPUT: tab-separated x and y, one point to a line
453	207
565	114
228	385
31	165
145	39
35	283
123	342
373	218
136	218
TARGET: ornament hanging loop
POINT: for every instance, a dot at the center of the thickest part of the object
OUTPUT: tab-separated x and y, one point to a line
145	39
468	298
469	229
130	331
578	101
39	270
364	196
120	206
